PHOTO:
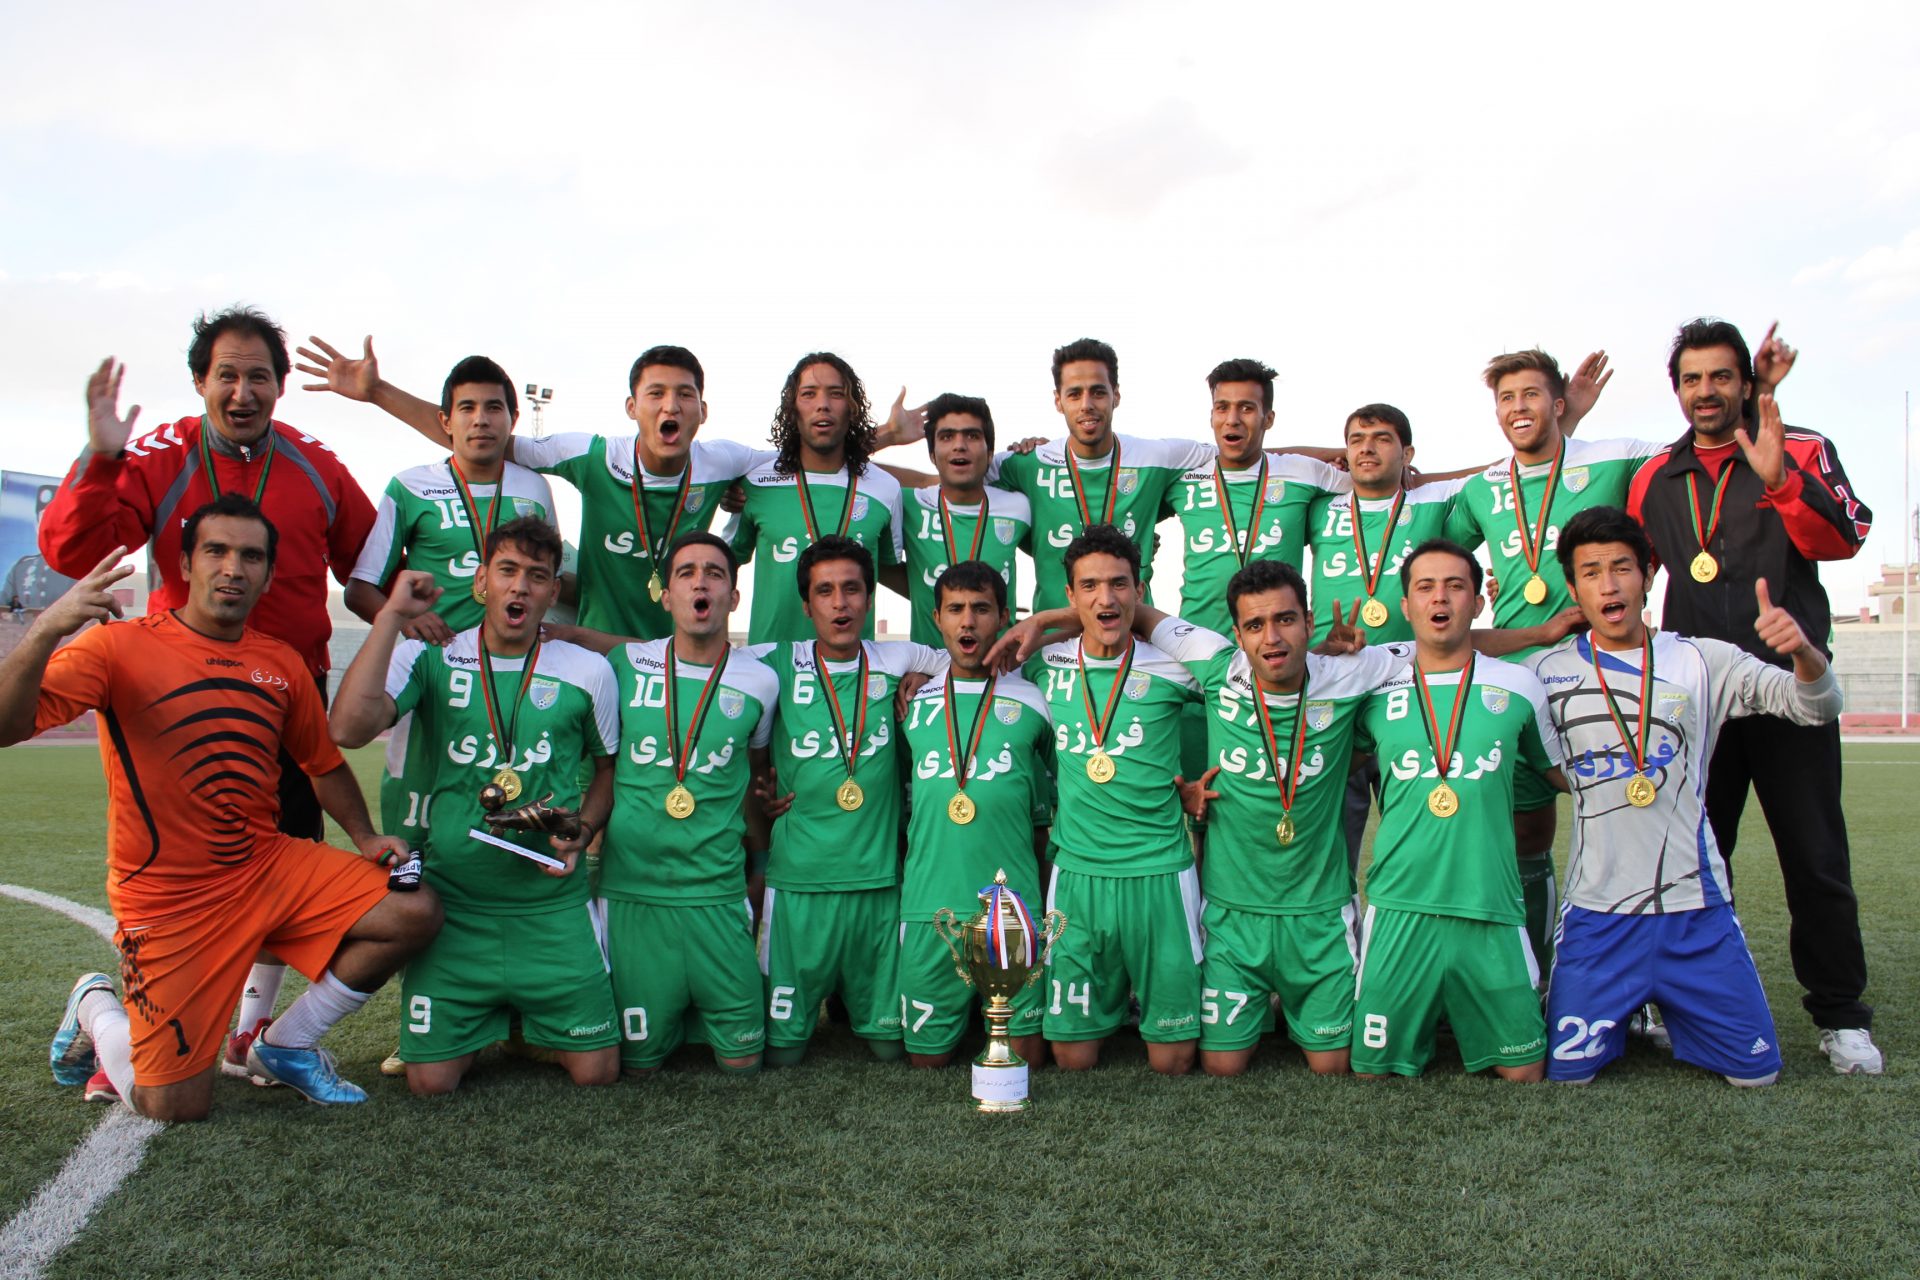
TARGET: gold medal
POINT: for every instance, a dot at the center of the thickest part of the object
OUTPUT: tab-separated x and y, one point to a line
509	783
1640	791
1373	613
1536	592
1704	568
960	808
849	796
1284	829
1442	802
654	588
479	589
1100	767
679	802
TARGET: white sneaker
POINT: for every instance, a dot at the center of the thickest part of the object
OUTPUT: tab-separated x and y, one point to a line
1852	1052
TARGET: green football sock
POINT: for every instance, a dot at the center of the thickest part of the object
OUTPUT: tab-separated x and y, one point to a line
1543	903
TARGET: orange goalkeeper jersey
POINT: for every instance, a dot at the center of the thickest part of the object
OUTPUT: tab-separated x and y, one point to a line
190	734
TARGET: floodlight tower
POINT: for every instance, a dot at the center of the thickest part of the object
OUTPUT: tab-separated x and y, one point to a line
538	398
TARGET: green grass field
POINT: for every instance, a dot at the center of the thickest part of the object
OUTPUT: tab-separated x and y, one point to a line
843	1166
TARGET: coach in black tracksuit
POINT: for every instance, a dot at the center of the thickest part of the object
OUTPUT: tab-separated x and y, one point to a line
1783	503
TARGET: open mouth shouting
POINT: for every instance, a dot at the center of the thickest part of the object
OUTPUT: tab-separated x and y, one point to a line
670	430
702	606
515	612
1614	612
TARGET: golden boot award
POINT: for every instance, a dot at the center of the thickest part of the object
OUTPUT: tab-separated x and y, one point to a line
998	953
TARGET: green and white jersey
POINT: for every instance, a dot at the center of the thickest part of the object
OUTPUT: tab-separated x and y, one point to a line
615	562
422	524
570	713
773	528
1132	825
1593	473
1209	559
1339	573
1462	865
948	863
818	847
1247	868
1148	469
699	860
1009	528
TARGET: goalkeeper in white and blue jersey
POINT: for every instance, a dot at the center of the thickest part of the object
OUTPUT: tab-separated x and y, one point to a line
1648	912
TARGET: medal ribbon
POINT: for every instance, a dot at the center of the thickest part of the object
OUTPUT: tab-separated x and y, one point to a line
213	480
1004	907
1372	567
946	529
1289	785
1531	548
493	711
963	764
1079	491
682	757
1636	750
1693	505
1099	726
833	705
806	508
656	552
1226	509
472	507
1443	751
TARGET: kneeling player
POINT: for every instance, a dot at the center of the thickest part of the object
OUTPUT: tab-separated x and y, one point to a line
695	720
1649	911
973	740
1445	929
496	706
195	709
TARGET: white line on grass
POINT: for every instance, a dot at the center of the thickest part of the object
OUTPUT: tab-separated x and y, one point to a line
59	1211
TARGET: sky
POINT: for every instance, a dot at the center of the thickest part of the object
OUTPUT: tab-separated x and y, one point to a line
1373	200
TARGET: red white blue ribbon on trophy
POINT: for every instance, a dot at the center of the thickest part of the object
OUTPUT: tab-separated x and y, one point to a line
1005	910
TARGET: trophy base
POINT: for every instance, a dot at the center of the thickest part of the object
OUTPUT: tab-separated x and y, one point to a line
1000	1087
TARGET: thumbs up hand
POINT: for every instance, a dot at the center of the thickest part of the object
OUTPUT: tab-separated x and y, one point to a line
1775	626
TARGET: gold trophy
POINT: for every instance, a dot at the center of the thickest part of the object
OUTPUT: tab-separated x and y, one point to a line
999	951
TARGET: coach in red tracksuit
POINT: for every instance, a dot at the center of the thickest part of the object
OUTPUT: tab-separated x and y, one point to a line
124	492
1738	499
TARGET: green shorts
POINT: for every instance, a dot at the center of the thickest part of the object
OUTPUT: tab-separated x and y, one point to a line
1531	791
1308	960
935	1003
551	968
1415	968
674	967
814	944
1125	935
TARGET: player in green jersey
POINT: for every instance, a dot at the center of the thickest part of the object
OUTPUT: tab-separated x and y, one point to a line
974	742
831	917
435	518
1444	934
695	721
520	935
1516	507
963	517
818	484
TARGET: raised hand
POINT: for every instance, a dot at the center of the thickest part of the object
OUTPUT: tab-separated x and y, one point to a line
1346	635
1195	795
1585	386
342	375
413	595
1766	449
107	431
88	600
1773	361
1775	626
904	425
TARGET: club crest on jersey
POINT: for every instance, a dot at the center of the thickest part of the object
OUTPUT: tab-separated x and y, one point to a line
1006	711
1494	700
1319	715
696	499
876	686
1276	489
859	507
732	703
1137	684
1670	707
1128	480
1575	480
525	507
543	693
1003	530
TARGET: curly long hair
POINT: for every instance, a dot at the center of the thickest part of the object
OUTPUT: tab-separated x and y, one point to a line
786	422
